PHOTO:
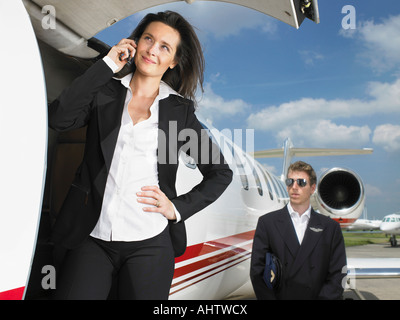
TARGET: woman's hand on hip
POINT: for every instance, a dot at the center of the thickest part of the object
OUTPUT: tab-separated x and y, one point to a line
157	200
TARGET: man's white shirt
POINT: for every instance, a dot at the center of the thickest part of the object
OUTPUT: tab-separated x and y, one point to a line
300	223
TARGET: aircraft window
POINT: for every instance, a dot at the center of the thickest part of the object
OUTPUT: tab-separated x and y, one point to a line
274	188
277	186
242	173
188	161
204	125
256	176
283	189
267	182
209	132
258	182
240	166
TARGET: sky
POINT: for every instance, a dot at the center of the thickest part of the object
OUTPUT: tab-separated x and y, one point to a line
335	84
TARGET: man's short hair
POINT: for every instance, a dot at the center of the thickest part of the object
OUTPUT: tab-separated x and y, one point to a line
304	167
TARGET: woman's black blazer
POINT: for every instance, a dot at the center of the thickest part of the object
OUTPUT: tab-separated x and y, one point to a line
96	100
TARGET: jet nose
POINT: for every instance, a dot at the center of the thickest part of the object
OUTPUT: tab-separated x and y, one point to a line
384	226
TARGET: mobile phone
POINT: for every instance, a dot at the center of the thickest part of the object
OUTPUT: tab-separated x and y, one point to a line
130	58
121	57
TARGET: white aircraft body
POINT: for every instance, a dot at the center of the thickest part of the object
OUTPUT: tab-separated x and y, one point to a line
217	260
23	138
391	225
365	225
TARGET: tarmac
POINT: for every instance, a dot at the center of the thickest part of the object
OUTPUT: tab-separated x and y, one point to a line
374	289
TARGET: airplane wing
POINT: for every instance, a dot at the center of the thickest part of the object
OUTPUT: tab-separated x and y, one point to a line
371	268
79	21
288	152
311	152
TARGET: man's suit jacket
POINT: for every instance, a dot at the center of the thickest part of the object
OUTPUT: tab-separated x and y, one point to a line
312	270
97	100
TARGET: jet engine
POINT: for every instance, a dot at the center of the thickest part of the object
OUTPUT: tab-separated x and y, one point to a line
340	195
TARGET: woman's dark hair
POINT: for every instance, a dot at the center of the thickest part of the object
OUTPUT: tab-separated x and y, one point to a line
189	72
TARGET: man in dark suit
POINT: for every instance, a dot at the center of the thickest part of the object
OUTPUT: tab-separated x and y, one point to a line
309	246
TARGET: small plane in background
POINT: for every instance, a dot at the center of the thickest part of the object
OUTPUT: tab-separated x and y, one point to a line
391	225
364	225
40	164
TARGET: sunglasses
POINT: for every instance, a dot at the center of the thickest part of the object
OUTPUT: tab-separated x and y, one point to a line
300	182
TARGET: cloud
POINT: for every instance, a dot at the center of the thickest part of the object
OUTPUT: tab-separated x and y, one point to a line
218	19
388	137
310	121
270	168
223	20
213	106
326	133
386	96
372	191
310	57
381	43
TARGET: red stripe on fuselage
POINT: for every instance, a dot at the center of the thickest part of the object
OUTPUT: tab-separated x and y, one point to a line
345	222
214	245
215	262
209	261
14	294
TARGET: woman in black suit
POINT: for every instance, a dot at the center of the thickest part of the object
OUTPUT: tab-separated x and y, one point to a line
122	218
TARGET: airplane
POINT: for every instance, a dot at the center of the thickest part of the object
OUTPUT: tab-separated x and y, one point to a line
365	225
391	225
40	163
340	192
